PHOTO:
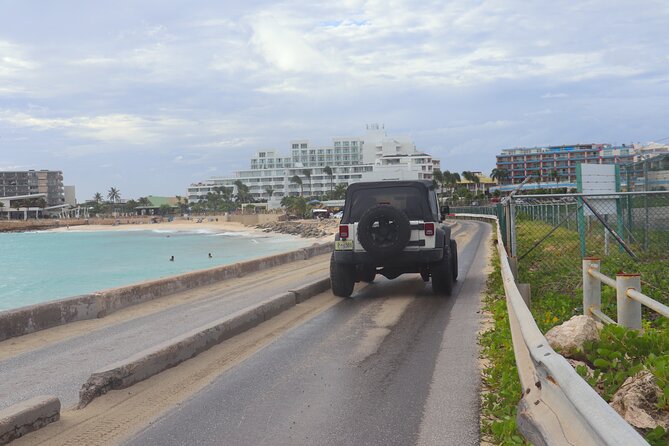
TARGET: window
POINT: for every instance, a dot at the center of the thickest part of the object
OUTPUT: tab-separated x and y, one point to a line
303	146
296	146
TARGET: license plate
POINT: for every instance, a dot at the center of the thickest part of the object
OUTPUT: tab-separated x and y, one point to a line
343	245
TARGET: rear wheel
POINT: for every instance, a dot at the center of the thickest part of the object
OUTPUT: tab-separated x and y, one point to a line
454	259
342	278
442	274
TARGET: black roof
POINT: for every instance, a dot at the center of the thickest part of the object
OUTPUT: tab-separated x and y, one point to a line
427	184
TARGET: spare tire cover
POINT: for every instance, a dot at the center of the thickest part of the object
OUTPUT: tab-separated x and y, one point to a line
384	230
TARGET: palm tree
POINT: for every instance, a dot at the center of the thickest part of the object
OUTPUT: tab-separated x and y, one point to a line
500	175
97	197
143	201
438	177
555	176
328	171
243	193
113	194
339	192
269	191
307	174
297	180
471	176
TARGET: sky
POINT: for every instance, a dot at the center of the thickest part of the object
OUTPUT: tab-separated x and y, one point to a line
150	96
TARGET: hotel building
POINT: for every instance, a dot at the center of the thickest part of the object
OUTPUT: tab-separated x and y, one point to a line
31	182
540	162
371	157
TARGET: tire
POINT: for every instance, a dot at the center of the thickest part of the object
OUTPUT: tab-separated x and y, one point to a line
342	278
367	273
454	258
442	274
425	275
384	231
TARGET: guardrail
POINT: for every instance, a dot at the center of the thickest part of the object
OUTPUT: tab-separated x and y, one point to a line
628	296
557	407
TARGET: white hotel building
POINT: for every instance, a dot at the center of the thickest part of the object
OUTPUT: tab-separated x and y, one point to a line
372	157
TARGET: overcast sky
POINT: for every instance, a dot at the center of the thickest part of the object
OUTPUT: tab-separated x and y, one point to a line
149	96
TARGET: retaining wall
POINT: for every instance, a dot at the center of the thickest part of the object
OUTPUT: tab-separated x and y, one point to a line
37	317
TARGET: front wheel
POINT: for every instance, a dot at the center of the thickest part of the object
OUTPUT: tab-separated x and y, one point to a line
454	259
442	274
342	278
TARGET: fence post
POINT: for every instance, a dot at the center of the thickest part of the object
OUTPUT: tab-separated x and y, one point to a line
592	287
629	311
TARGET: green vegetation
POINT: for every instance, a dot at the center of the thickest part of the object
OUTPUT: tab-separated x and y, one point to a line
501	385
554	271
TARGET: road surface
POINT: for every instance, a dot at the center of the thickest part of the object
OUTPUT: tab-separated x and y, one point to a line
393	365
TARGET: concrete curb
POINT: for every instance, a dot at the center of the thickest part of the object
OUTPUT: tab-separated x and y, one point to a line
38	317
28	416
152	361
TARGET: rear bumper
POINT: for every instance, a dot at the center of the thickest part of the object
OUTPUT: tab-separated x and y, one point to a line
403	258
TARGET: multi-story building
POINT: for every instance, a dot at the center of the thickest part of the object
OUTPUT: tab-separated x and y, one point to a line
557	164
351	159
31	182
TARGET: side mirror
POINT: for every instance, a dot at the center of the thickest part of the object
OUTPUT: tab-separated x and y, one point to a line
445	210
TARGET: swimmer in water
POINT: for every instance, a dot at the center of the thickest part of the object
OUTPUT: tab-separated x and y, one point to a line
172	259
210	255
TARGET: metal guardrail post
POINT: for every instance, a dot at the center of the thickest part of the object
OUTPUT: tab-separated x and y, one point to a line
629	311
592	286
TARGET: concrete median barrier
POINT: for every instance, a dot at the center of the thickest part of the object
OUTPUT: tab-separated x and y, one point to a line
152	361
38	317
28	416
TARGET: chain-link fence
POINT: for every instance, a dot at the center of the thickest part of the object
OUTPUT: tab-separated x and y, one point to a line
550	234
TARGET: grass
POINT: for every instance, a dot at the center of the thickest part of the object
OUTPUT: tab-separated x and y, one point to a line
554	271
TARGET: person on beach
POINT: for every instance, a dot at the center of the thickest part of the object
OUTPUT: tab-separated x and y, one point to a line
172	259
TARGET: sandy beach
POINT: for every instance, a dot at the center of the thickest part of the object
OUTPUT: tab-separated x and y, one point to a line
182	225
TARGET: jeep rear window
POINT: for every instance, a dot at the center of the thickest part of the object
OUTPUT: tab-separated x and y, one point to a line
408	199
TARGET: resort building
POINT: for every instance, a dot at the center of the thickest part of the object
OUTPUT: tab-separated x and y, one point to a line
31	182
555	166
351	159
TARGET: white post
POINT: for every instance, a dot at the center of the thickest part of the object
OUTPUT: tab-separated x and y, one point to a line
592	287
629	311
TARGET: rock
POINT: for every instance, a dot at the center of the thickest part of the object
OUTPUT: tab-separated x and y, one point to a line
636	402
570	336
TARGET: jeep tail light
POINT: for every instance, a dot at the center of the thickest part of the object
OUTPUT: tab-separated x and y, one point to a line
429	229
343	231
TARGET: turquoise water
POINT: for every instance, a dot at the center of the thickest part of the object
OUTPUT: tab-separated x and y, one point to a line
41	266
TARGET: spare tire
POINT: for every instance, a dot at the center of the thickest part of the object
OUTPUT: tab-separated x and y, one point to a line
384	230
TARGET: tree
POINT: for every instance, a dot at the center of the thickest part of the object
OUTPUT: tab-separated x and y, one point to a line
144	201
295	206
97	197
297	180
339	192
165	209
243	193
327	170
438	178
307	174
555	176
113	194
269	191
131	205
471	176
500	175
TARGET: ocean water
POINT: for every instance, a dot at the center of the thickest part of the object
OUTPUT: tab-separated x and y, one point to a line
41	266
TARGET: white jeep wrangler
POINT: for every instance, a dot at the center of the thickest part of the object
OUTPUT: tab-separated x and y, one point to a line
391	228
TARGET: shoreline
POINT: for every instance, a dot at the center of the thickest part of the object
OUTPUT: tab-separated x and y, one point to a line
189	226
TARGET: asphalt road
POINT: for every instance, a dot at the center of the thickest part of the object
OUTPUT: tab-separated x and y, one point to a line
61	367
394	365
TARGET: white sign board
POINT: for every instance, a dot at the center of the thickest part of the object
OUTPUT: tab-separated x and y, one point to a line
599	179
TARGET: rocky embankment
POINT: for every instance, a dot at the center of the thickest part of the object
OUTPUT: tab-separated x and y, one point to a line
302	228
